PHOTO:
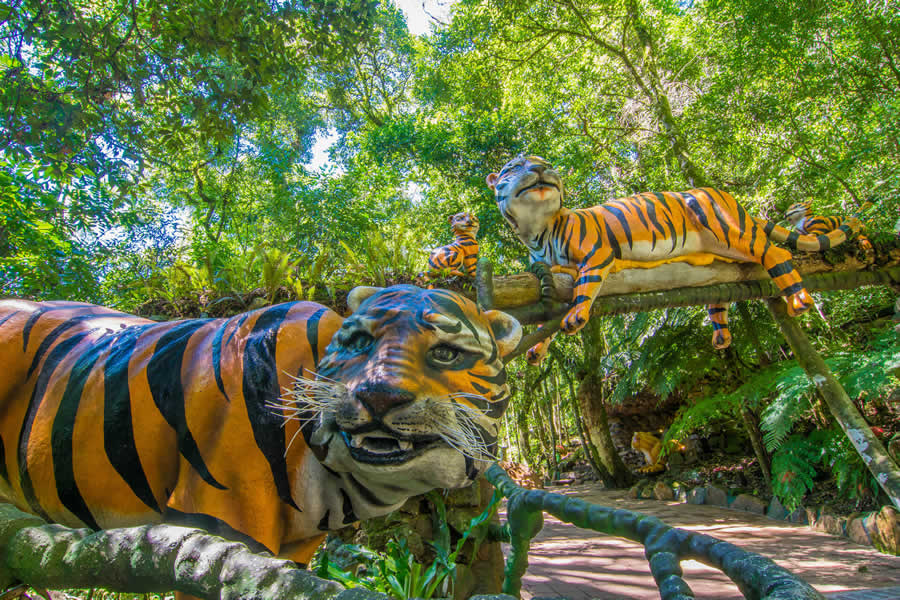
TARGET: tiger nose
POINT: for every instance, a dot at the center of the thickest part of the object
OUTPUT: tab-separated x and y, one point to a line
539	169
379	399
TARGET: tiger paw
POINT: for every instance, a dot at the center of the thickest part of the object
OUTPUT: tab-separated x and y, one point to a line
721	339
798	303
575	319
536	354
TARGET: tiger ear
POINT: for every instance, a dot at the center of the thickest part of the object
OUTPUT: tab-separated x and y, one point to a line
492	180
507	330
359	294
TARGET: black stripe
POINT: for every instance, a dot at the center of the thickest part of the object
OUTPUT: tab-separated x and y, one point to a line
742	215
637	210
118	427
792	238
583	224
723	222
166	387
695	207
240	323
51	337
64	428
214	526
824	242
792	289
589	279
312	334
260	385
32	320
37	395
713	310
347	509
781	269
217	357
719	326
446	303
613	243
498	379
579	299
323	522
4	474
618	214
768	227
8	317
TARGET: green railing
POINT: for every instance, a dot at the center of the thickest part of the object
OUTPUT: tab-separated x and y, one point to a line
665	547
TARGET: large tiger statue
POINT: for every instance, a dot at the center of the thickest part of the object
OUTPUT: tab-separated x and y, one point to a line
270	427
644	231
460	256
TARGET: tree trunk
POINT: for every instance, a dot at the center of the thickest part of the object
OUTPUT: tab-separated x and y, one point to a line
873	454
593	407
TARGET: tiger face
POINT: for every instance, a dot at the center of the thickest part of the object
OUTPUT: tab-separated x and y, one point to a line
408	395
529	193
464	223
796	213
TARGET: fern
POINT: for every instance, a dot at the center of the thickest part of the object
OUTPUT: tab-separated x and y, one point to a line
794	469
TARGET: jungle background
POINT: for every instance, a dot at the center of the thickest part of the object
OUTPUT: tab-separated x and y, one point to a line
157	157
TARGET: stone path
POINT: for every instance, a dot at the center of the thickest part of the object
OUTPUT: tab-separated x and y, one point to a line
579	564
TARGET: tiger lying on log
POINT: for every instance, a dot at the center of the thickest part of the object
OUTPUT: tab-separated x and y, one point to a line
644	231
270	427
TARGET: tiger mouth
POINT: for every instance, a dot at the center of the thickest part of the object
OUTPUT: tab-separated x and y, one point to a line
380	447
534	186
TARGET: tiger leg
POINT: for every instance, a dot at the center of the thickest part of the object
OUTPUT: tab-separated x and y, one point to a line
777	262
718	316
587	286
539	351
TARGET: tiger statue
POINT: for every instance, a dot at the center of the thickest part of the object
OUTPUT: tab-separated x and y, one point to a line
461	256
270	427
644	231
650	446
798	214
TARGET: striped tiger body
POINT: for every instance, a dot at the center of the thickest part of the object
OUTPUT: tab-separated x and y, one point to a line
270	427
798	214
651	447
461	256
643	230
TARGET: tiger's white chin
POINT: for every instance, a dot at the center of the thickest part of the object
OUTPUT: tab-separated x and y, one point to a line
439	466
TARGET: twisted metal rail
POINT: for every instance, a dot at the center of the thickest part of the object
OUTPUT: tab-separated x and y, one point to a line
665	547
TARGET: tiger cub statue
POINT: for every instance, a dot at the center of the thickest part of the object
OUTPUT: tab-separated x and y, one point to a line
798	214
644	231
270	427
461	256
650	446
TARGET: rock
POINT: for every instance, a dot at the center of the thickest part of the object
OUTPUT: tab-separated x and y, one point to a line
258	302
857	530
635	491
680	491
799	516
749	503
662	491
776	510
716	496
697	496
886	534
829	523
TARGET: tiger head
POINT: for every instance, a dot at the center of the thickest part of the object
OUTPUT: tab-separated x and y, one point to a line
529	195
797	212
464	223
410	391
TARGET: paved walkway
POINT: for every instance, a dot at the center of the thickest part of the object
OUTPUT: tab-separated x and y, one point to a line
583	565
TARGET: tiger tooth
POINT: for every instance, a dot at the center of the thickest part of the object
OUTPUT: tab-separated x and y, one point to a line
356	441
404	445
